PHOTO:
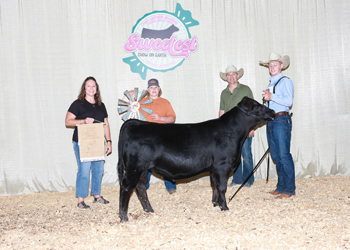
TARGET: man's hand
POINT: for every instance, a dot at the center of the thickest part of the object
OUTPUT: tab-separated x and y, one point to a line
266	95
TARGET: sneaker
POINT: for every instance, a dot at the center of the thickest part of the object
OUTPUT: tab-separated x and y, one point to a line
100	200
171	191
83	205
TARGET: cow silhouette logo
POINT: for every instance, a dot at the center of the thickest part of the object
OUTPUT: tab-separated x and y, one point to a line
161	34
161	41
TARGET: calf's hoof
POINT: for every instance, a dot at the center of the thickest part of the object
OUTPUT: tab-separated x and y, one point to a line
224	208
149	210
215	204
123	218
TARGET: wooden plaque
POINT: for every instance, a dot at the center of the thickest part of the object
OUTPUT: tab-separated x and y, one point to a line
91	142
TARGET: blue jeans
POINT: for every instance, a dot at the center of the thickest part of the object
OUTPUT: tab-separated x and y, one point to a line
244	170
168	184
83	175
279	136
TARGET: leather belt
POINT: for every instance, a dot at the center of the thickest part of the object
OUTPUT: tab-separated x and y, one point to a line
281	113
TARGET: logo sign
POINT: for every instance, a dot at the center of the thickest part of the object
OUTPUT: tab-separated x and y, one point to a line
161	41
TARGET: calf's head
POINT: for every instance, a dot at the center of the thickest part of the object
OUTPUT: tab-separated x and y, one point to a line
252	107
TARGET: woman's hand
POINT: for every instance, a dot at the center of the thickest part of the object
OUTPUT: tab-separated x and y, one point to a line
72	122
155	117
109	147
88	120
166	119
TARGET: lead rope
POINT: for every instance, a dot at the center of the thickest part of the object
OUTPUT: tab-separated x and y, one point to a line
268	156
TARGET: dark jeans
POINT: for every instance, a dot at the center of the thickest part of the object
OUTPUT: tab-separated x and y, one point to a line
279	136
243	170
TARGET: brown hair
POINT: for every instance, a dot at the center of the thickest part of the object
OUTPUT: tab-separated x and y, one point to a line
82	94
159	94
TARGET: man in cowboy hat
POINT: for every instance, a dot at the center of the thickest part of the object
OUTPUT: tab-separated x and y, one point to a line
229	98
279	97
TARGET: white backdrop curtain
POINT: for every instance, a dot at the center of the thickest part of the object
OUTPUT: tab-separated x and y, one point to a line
48	47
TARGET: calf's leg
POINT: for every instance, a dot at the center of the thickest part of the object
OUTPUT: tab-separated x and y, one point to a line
213	183
128	183
124	198
142	194
222	186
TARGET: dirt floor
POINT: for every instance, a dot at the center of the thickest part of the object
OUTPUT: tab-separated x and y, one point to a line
317	217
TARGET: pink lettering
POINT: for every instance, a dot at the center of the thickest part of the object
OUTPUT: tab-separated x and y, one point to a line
156	44
178	45
173	46
144	44
132	44
165	45
193	45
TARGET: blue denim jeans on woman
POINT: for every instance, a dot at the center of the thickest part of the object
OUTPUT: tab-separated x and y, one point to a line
279	136
83	175
244	170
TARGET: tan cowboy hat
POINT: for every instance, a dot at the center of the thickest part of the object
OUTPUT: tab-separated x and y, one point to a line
231	68
285	60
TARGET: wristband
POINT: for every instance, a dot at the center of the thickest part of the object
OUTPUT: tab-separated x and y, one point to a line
109	141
